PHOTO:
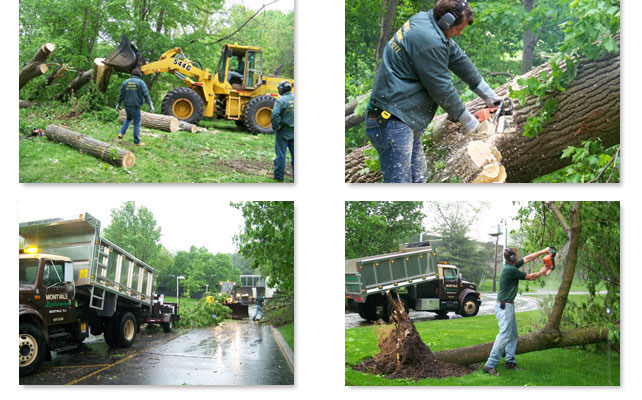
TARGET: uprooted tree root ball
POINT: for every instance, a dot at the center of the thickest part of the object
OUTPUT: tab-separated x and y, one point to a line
404	355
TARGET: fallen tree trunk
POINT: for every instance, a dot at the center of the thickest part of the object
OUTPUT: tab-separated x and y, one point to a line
589	109
353	119
187	127
155	121
56	75
101	74
86	144
36	66
534	341
26	103
79	81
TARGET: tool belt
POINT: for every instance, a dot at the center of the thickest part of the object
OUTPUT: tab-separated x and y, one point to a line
502	304
381	116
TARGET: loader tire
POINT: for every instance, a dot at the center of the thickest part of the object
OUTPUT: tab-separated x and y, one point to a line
31	348
125	327
184	104
470	307
257	114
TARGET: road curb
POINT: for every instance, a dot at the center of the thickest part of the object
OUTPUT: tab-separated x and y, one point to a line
285	348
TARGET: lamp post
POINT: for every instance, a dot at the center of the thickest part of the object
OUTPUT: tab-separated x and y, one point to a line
178	295
496	233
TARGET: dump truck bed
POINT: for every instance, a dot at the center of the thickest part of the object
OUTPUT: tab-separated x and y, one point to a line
98	263
368	275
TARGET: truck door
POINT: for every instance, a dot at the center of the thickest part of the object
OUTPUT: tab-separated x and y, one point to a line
449	285
253	69
59	289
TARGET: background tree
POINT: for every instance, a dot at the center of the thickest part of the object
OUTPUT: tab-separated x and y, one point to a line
201	268
376	227
267	239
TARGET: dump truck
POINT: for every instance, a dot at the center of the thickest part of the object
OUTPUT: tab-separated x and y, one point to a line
233	301
223	93
73	282
413	272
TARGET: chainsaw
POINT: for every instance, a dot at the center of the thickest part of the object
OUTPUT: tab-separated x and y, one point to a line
502	117
549	260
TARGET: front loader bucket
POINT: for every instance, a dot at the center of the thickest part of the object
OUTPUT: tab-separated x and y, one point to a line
239	311
125	57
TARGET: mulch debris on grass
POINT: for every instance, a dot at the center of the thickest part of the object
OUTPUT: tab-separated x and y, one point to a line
404	355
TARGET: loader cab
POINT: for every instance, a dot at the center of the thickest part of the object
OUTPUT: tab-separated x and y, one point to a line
240	66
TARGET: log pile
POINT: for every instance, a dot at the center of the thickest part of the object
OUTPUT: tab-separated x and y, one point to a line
155	121
86	144
36	66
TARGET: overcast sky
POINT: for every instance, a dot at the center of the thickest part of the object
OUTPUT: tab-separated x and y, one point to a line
200	223
283	5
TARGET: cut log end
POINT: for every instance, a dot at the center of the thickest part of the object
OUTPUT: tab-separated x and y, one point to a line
128	160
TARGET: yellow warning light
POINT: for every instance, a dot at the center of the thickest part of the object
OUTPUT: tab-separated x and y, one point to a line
32	250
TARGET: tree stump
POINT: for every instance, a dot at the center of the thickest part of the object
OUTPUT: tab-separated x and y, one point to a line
155	121
36	66
86	144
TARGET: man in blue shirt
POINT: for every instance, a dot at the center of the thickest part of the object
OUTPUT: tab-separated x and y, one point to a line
413	80
133	93
509	278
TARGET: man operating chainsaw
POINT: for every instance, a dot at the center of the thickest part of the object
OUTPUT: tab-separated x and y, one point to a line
509	278
414	79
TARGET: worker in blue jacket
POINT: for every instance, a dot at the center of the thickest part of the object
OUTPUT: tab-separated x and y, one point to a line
133	93
413	80
283	125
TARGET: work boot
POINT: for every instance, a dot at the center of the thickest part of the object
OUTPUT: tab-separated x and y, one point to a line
512	365
490	370
120	136
139	144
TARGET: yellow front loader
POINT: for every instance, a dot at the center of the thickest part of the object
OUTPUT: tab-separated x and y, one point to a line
246	97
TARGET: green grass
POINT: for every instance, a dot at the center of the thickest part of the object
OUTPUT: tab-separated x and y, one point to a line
287	331
223	154
551	282
554	367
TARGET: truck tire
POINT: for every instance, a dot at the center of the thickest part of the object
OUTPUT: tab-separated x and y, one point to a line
469	307
368	312
125	328
108	332
387	309
31	349
257	114
168	326
184	104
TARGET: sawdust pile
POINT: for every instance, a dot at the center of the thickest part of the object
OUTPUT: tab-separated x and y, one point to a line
404	355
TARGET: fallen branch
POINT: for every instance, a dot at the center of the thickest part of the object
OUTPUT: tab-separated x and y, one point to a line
36	66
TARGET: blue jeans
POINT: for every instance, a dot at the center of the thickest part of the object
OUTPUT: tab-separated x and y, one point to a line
281	146
506	340
401	153
133	114
258	309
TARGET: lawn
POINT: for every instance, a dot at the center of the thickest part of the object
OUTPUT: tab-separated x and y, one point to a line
554	367
223	153
287	331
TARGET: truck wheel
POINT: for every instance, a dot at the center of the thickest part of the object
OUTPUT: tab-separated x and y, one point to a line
469	308
168	326
368	312
108	332
388	309
31	348
125	330
257	114
184	104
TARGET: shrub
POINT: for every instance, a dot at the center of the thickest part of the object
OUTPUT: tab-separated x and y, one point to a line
279	310
207	311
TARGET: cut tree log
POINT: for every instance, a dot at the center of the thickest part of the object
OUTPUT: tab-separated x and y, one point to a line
26	104
155	121
36	66
101	74
187	127
86	144
589	109
56	75
79	81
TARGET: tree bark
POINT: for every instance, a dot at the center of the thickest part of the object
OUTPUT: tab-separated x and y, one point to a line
86	144
187	127
534	341
56	75
101	74
79	81
36	66
387	16
587	110
26	104
154	121
529	42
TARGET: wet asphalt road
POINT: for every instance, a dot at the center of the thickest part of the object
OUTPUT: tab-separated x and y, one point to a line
234	353
522	303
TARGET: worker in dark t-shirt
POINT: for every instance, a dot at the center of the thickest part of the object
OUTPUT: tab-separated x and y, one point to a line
509	278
